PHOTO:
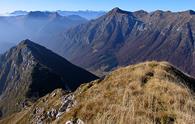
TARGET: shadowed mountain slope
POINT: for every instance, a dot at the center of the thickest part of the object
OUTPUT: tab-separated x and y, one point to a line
30	71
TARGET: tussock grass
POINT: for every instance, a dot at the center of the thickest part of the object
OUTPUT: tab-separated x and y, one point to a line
147	93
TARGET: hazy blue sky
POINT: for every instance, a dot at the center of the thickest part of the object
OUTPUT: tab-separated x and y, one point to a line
149	5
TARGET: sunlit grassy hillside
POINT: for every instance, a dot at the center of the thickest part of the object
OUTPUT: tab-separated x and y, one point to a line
146	93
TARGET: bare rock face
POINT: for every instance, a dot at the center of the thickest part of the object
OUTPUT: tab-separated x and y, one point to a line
67	103
43	112
120	38
30	71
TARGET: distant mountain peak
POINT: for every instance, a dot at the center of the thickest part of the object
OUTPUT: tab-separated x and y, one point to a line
191	12
18	13
157	12
118	10
187	12
35	13
140	13
42	14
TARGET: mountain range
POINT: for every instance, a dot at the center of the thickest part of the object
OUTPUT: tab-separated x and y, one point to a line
30	71
144	62
18	13
88	14
41	27
120	38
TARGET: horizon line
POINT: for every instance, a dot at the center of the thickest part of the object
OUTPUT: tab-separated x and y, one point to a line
85	10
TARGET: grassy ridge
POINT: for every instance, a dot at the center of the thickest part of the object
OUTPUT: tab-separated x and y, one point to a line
146	93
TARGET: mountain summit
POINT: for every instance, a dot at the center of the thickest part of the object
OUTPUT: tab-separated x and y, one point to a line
118	10
29	71
39	14
120	38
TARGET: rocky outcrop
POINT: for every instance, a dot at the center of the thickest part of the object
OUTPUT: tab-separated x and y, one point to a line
42	114
67	102
76	121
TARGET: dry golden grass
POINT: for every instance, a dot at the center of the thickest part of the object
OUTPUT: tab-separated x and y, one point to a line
146	93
